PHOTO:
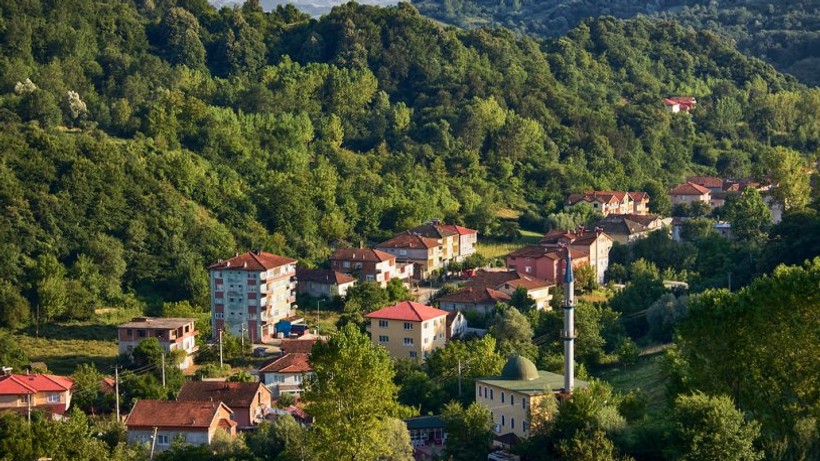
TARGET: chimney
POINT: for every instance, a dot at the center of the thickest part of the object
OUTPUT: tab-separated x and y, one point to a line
568	335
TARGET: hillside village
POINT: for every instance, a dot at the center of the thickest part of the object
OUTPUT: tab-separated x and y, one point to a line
253	300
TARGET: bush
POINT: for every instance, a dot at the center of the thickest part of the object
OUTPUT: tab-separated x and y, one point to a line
628	353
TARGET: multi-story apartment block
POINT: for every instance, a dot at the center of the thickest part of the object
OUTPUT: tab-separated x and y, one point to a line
457	242
250	293
594	244
173	334
425	253
370	265
409	329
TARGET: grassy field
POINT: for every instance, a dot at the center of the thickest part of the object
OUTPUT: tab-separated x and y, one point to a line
645	375
492	249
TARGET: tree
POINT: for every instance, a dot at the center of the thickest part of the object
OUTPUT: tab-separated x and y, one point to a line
659	200
522	301
469	431
180	34
271	439
513	332
476	358
398	291
11	354
787	170
148	351
366	297
696	229
664	314
709	428
644	288
749	215
86	391
398	439
14	308
592	447
351	397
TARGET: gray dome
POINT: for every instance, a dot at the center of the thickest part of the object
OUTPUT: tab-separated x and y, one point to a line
520	369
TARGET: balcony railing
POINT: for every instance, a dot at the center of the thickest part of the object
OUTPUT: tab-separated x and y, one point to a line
566	335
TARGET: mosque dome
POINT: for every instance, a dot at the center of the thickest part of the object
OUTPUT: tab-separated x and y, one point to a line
519	368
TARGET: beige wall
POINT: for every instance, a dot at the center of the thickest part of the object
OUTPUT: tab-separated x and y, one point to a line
511	415
689	199
426	336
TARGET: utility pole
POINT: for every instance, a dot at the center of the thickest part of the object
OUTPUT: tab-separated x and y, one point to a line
163	370
317	315
153	443
459	379
28	408
220	348
117	389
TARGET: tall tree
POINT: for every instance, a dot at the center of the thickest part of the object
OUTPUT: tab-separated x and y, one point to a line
469	431
351	397
787	169
749	215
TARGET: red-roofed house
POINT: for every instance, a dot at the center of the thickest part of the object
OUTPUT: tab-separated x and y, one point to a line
408	329
712	183
195	422
543	262
425	253
473	299
467	238
370	265
250	402
43	392
677	104
286	374
251	292
594	244
323	283
457	242
606	202
688	193
508	282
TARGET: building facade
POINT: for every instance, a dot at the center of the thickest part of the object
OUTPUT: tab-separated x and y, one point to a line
286	374
323	283
542	262
370	265
194	422
173	334
408	329
51	393
250	293
250	402
426	254
689	193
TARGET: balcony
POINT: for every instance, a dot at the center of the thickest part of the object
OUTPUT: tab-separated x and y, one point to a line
566	335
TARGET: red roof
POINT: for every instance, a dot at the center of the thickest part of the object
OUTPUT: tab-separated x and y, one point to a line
689	189
252	261
638	196
173	413
411	241
293	362
361	254
459	229
324	276
303	346
29	384
476	296
240	395
710	182
407	310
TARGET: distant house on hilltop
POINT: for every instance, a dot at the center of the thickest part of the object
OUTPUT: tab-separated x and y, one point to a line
689	193
677	104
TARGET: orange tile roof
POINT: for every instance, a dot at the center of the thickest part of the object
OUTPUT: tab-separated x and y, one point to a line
325	276
172	413
361	254
706	181
689	189
459	229
410	241
252	261
230	393
476	296
29	384
407	310
303	346
294	362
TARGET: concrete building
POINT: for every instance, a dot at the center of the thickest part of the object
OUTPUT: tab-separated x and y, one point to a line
473	299
596	244
195	423
508	282
426	254
173	334
323	283
370	265
542	262
689	193
49	393
286	374
250	293
408	329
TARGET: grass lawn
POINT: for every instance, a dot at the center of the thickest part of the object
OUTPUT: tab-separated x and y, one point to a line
492	249
645	375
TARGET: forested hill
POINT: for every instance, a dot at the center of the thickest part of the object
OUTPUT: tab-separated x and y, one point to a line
785	33
139	144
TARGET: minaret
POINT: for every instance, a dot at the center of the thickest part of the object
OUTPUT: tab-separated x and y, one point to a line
568	334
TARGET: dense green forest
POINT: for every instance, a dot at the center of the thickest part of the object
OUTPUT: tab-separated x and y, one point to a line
143	140
785	33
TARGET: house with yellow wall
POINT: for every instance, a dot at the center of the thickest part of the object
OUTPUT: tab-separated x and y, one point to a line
408	329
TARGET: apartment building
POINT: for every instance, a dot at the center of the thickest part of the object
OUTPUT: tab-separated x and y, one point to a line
425	253
250	293
408	329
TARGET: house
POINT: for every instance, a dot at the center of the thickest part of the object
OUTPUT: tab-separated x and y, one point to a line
370	265
473	299
508	282
712	183
323	283
427	435
250	293
513	398
595	244
627	228
459	242
425	253
196	423
543	262
688	193
456	324
250	402
286	374
21	393
173	334
408	329
677	104
606	202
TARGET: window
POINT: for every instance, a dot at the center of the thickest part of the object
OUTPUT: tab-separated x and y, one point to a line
141	333
512	399
346	264
512	423
402	252
426	340
384	339
502	421
408	325
219	315
527	269
408	341
491	394
413	354
426	324
523	402
479	391
525	425
502	396
129	332
53	398
162	439
382	323
485	392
